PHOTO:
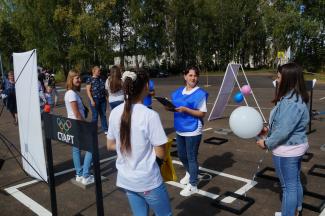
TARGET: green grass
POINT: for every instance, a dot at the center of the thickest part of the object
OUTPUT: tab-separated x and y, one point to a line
319	76
251	71
308	76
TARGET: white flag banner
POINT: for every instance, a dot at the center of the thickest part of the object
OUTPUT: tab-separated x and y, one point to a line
225	91
29	117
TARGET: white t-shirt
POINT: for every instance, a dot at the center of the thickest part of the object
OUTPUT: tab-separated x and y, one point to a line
202	107
70	96
138	171
116	96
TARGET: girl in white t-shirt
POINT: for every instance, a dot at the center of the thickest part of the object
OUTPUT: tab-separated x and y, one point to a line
75	110
137	135
113	85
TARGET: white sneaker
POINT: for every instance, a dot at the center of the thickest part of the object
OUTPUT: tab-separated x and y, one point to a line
79	178
189	190
278	214
186	179
89	180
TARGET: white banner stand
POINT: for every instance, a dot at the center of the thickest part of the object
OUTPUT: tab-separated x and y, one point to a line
29	115
227	86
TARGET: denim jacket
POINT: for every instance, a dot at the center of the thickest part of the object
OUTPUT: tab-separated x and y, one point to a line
288	121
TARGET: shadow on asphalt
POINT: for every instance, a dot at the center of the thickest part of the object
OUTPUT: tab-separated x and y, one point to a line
219	163
197	205
107	167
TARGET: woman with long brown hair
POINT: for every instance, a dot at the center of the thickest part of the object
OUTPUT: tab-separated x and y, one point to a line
113	86
286	135
137	135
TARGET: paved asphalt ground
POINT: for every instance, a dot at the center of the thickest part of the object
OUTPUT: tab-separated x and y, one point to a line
230	166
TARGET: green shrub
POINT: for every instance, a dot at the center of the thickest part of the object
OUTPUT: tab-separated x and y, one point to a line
59	76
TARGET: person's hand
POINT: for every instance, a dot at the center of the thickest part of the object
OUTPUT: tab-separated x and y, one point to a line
93	103
181	109
264	132
261	143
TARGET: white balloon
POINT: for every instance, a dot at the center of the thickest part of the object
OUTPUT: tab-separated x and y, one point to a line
246	122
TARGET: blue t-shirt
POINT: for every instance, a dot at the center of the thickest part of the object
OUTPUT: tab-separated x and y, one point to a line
147	101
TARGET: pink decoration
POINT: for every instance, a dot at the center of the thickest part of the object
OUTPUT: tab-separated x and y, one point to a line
246	90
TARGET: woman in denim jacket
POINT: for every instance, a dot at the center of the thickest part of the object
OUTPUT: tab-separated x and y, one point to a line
286	135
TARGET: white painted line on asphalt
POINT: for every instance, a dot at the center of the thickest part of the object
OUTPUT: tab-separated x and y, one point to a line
28	202
241	191
31	204
201	192
72	169
25	184
206	129
322	213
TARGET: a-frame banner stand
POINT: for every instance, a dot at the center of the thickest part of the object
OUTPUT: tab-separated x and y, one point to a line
80	134
227	86
228	83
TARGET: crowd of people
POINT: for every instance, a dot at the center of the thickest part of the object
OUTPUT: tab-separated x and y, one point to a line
134	130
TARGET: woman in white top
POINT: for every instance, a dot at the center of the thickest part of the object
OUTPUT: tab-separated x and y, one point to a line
75	110
190	102
113	85
137	135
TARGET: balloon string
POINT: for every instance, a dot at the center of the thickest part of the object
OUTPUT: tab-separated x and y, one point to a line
258	168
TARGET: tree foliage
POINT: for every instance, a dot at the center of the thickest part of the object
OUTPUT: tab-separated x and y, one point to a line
207	33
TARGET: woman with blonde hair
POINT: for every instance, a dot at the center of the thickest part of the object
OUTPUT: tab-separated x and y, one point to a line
76	110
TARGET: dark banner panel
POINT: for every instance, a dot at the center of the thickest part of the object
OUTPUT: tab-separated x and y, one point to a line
73	132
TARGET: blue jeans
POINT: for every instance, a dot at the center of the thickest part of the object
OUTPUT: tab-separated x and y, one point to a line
288	171
156	199
84	169
187	148
115	104
99	108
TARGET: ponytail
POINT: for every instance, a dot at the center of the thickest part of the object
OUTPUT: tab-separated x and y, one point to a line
125	133
133	85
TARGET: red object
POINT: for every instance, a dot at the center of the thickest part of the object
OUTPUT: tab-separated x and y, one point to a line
47	108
